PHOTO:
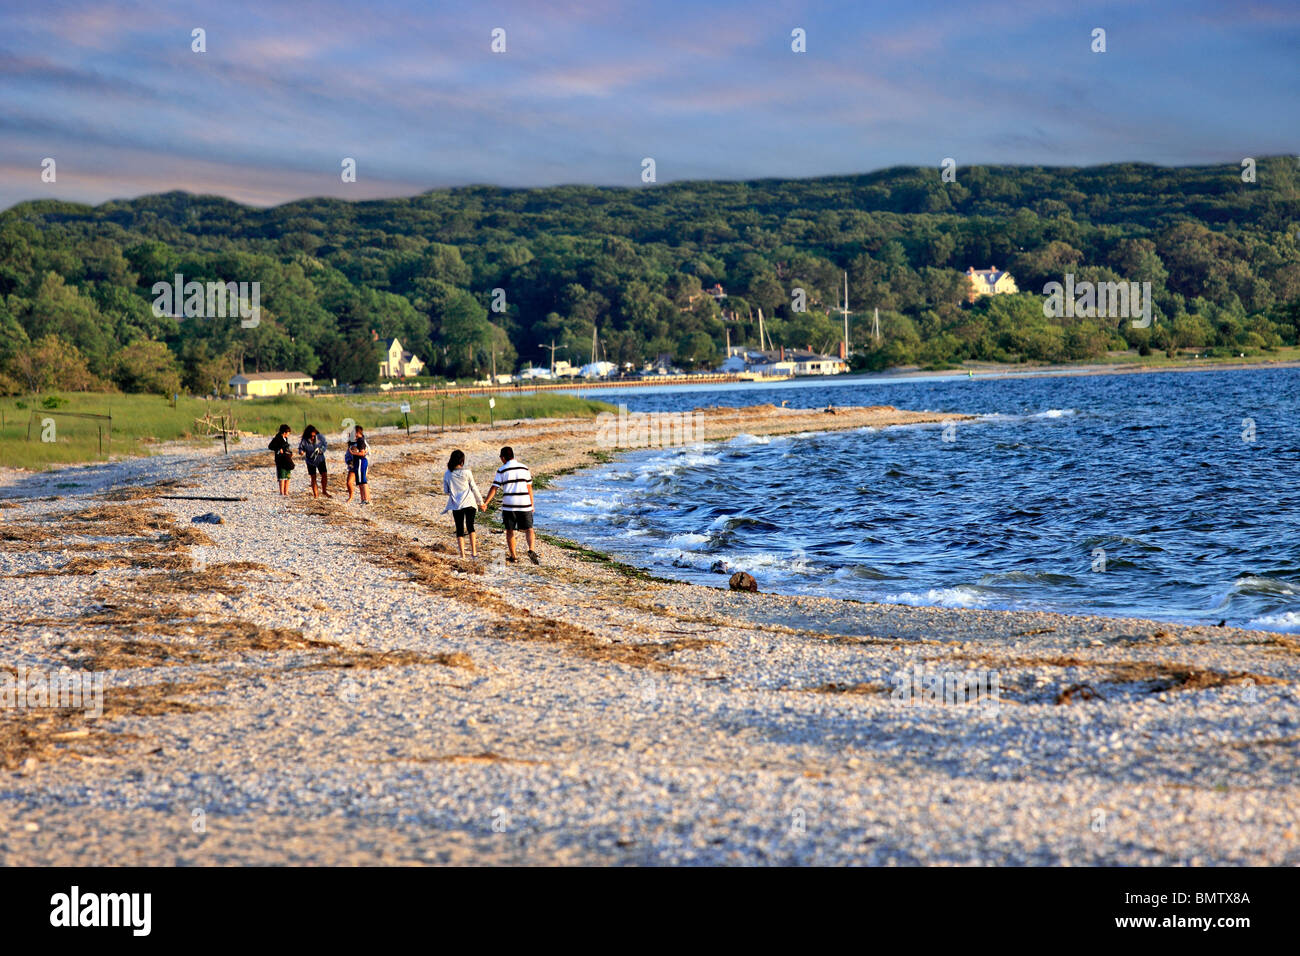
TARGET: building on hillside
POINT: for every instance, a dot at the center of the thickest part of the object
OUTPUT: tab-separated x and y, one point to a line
990	281
395	362
262	384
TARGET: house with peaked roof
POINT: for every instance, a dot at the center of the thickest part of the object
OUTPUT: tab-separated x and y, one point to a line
396	362
990	281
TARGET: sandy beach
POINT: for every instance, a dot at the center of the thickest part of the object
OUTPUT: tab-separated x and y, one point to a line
313	682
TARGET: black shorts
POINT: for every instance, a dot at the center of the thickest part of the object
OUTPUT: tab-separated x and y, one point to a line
517	520
464	521
313	468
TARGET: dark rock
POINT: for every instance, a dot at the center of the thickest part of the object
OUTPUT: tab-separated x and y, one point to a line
719	567
740	581
210	518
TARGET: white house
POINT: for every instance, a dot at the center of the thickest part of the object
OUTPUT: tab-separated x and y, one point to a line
398	363
813	363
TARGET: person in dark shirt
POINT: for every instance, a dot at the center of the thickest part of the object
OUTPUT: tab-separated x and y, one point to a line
312	447
359	452
283	458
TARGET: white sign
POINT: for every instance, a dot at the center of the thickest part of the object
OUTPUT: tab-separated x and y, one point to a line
492	403
406	408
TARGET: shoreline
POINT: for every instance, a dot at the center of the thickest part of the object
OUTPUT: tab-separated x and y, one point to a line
330	684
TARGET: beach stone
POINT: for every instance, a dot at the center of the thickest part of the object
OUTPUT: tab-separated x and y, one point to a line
210	518
719	567
740	581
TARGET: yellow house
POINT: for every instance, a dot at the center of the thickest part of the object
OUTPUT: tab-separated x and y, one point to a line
260	384
989	281
398	363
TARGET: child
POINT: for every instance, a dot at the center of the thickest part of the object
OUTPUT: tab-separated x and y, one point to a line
357	458
283	458
312	446
462	497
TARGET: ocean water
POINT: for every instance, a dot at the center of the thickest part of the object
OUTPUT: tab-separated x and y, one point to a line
1163	495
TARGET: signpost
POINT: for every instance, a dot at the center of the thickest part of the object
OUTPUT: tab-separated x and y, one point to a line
406	411
492	403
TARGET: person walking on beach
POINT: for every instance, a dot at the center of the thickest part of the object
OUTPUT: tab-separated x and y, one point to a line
515	483
358	460
462	498
283	458
312	447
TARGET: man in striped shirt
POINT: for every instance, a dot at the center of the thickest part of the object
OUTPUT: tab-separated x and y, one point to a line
515	482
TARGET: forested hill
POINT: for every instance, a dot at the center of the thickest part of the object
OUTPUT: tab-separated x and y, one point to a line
1222	256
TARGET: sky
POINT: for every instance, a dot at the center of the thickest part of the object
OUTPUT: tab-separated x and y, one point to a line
586	90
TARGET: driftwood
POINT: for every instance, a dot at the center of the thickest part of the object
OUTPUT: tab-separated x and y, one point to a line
197	498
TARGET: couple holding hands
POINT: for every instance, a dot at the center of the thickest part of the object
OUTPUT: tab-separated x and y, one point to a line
513	480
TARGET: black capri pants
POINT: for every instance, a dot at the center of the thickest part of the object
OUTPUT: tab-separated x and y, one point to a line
464	521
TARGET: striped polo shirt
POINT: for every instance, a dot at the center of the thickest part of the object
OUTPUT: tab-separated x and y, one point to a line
513	479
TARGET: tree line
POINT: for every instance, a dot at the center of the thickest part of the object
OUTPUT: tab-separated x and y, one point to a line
476	276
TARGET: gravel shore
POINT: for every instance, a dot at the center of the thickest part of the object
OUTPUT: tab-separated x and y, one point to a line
318	682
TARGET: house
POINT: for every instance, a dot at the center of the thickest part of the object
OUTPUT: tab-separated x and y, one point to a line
814	363
261	384
398	363
989	281
781	363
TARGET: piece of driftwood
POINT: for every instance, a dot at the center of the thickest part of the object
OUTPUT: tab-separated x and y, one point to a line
197	498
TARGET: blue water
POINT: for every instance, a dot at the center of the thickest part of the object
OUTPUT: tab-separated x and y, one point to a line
1132	495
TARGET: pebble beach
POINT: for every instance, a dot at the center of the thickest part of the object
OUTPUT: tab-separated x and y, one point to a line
312	681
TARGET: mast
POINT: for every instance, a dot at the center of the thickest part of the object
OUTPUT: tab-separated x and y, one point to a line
845	312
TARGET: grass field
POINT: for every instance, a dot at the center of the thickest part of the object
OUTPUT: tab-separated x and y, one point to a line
35	436
1160	359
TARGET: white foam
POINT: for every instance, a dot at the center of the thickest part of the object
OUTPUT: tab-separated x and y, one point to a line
1286	621
936	597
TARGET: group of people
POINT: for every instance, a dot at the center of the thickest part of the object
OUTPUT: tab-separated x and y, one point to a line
513	480
312	447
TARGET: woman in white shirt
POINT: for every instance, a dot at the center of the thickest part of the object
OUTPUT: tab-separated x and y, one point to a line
462	498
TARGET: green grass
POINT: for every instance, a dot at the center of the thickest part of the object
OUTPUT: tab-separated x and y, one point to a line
142	421
1159	358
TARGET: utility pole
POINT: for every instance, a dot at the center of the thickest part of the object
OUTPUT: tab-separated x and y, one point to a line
552	347
875	325
761	346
